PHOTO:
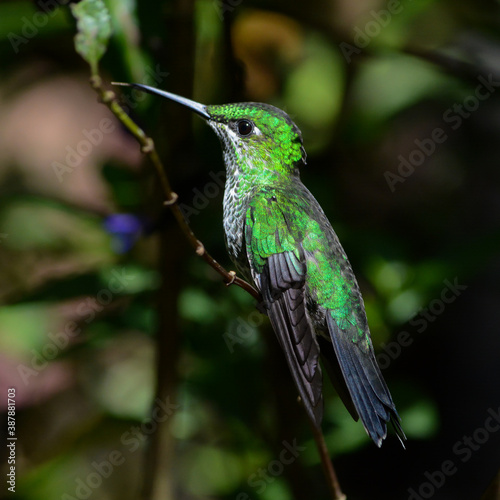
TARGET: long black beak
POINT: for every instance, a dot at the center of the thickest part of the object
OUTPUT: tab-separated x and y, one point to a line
198	108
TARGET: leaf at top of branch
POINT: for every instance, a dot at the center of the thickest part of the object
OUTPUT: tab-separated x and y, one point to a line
94	30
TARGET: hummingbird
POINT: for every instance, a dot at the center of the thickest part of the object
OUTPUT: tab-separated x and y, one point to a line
280	240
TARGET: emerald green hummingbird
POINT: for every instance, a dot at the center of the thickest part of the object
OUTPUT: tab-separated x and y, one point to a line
280	240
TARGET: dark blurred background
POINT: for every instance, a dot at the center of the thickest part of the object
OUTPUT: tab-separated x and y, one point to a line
138	374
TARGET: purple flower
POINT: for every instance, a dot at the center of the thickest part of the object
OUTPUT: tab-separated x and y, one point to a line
125	230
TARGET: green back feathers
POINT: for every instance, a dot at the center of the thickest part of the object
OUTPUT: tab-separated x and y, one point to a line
286	221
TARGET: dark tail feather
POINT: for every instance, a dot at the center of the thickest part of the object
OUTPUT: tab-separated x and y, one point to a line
332	367
396	424
366	386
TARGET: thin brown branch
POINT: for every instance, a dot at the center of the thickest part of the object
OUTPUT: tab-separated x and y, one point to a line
329	471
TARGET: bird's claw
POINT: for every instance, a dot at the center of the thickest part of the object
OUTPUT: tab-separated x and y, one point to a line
233	277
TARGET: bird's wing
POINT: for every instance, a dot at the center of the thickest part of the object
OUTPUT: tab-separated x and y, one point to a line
278	267
335	290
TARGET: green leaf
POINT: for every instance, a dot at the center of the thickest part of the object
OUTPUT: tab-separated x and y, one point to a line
94	30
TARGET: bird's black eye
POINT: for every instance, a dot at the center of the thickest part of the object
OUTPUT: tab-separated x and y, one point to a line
245	128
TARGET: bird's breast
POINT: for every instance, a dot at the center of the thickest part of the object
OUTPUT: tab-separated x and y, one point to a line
235	206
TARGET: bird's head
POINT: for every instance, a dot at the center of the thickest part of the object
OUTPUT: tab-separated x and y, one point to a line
255	137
